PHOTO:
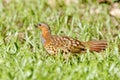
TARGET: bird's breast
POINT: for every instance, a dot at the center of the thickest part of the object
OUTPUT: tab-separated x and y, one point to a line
43	40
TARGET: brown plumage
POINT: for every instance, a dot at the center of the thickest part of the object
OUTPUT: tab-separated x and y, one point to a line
54	43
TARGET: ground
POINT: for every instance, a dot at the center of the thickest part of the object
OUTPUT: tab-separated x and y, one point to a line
22	56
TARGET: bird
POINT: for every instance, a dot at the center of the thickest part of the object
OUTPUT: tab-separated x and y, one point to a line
65	44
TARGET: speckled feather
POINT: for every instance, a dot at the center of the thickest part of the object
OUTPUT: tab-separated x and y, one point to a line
65	44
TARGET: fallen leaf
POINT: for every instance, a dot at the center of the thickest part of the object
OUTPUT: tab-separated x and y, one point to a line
115	12
52	3
68	2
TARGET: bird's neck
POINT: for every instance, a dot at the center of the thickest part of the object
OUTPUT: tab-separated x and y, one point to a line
46	36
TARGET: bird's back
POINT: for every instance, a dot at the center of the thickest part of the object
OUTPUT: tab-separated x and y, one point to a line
65	44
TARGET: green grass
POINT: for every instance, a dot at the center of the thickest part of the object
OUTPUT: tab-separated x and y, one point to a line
22	56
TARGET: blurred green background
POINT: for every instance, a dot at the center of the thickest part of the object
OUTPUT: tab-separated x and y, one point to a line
22	56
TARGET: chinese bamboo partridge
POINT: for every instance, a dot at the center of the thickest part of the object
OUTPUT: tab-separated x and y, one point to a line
54	43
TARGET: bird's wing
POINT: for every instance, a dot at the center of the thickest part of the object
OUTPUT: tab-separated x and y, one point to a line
68	43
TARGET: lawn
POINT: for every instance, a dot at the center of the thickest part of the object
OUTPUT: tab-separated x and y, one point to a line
22	56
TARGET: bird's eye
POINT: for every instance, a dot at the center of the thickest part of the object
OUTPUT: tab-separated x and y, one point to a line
39	24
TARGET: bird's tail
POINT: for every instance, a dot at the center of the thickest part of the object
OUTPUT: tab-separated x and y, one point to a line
97	46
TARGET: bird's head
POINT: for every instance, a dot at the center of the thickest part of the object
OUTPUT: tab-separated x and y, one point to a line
43	27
